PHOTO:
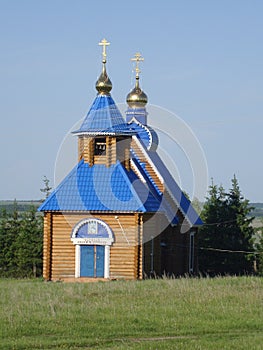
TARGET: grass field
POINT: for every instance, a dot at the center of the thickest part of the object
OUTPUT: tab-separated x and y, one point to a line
220	313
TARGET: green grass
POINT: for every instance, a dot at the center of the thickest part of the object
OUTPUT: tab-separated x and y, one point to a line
220	313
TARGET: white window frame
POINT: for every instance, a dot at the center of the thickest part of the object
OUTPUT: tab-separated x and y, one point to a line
107	242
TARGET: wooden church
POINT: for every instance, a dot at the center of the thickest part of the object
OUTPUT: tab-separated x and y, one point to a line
119	214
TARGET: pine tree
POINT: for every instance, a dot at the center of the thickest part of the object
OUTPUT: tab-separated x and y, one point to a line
9	228
28	245
259	251
240	231
4	247
210	235
226	229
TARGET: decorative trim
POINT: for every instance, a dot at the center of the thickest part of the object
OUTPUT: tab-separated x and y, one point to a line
92	240
107	242
145	128
106	133
148	159
77	261
136	170
107	262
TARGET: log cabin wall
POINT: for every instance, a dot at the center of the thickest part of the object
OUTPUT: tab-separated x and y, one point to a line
166	251
47	244
151	245
87	148
59	252
80	148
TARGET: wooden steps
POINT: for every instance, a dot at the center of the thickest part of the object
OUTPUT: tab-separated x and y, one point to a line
140	153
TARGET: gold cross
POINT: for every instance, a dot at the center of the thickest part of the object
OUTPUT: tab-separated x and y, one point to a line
104	43
137	58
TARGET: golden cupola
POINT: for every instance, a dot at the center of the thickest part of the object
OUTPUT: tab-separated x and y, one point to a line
103	84
136	98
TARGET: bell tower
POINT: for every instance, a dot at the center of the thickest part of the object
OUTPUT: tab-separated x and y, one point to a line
104	137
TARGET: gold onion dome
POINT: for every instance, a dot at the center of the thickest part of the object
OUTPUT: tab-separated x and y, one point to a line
137	98
103	84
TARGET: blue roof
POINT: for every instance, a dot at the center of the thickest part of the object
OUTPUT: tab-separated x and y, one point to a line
164	206
182	201
145	134
101	188
105	118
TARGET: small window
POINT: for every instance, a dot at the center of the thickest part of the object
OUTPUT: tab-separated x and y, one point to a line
100	146
191	251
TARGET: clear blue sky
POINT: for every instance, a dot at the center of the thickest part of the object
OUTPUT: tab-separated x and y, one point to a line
203	61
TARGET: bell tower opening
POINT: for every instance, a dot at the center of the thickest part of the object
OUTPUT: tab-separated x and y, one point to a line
100	146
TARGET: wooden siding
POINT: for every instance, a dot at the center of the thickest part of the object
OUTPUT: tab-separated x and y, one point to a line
151	245
124	252
80	147
123	151
88	150
111	151
47	246
165	248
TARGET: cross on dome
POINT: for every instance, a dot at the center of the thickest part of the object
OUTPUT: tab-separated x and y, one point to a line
103	84
137	58
137	98
104	43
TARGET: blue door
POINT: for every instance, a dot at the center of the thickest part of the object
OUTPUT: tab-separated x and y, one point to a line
87	261
100	260
92	261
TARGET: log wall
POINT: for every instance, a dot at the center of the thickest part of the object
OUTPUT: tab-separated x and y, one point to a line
59	252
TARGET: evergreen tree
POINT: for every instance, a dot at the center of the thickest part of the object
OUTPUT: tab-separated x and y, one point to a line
240	232
226	229
28	245
9	228
4	247
210	235
11	232
20	244
259	251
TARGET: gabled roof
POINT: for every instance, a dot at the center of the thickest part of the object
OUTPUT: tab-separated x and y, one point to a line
175	191
104	118
164	206
101	188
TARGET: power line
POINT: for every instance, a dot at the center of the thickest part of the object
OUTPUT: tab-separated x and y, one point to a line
231	251
219	223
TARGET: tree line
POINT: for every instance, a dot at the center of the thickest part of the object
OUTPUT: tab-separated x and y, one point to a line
21	236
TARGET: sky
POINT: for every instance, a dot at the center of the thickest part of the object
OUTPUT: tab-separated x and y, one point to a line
203	63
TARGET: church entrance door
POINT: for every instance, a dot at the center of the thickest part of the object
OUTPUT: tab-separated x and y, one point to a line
92	260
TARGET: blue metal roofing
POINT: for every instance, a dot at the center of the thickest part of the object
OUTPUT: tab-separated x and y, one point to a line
164	206
182	201
145	134
104	117
101	188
